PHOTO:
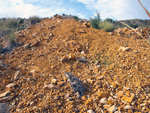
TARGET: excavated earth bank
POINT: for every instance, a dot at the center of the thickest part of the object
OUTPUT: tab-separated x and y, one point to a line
66	66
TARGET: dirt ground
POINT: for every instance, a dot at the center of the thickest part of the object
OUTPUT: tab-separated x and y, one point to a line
111	73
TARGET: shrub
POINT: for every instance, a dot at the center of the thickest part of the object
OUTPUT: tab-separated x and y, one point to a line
107	26
76	18
95	22
21	21
34	20
11	23
11	37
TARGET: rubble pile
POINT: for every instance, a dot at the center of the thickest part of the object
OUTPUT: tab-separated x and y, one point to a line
67	66
137	33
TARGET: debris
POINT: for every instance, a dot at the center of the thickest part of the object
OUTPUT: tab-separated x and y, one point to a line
75	83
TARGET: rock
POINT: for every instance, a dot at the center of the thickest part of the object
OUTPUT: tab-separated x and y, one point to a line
88	101
112	108
32	103
75	83
86	24
2	64
111	33
64	58
10	85
20	105
6	81
129	107
90	80
4	108
51	35
26	46
35	43
124	48
59	21
71	56
127	99
49	87
81	31
90	111
4	94
102	94
120	93
51	27
100	77
82	52
82	59
103	100
117	112
106	106
34	34
7	98
56	97
54	81
17	75
96	70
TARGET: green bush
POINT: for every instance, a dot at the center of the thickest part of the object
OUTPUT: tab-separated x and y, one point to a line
107	26
95	22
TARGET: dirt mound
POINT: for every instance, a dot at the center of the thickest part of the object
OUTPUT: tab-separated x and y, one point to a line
108	73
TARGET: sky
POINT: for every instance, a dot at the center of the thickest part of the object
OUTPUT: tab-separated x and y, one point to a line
85	9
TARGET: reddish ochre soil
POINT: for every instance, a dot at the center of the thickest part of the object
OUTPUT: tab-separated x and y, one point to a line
115	72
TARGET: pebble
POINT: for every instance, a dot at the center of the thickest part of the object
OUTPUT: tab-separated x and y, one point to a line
10	85
103	100
63	59
49	87
117	112
82	52
90	111
54	81
124	48
20	105
82	59
32	103
112	108
26	46
34	44
128	107
17	75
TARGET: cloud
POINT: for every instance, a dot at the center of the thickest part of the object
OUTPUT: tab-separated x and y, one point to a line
27	8
116	9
